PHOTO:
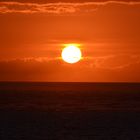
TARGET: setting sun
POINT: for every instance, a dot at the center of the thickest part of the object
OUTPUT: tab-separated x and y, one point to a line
70	40
71	53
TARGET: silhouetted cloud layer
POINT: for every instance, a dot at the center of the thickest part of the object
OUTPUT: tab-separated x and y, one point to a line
107	68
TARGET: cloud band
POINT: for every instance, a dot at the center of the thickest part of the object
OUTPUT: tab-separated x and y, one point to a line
57	8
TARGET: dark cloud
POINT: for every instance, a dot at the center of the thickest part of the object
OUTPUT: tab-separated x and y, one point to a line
108	68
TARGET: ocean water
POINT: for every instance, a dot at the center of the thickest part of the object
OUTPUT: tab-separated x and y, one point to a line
69	111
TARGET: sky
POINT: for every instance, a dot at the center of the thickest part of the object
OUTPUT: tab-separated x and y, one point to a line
33	34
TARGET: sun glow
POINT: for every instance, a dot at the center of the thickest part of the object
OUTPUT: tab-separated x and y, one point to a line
71	53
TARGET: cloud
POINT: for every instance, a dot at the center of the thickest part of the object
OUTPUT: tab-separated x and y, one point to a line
58	7
37	69
117	62
108	68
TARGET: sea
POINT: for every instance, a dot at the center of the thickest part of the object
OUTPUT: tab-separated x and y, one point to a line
69	111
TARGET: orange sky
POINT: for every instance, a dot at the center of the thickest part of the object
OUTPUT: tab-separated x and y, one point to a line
32	33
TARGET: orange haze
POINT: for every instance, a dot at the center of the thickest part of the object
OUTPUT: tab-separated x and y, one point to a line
32	34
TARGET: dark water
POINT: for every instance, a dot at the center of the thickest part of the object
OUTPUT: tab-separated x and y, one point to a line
69	111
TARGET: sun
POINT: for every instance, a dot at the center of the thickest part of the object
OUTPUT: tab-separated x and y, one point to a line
71	53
